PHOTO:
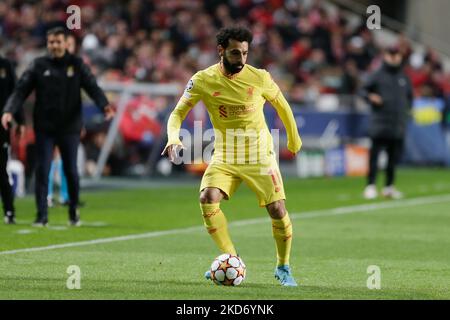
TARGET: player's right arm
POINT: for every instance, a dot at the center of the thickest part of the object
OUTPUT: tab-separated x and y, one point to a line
369	90
15	102
191	95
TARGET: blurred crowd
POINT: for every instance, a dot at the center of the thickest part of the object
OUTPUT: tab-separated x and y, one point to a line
309	49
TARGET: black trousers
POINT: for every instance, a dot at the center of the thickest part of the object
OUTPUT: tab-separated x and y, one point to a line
5	188
394	148
68	147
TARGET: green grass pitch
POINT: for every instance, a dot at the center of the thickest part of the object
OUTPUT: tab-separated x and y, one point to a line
332	248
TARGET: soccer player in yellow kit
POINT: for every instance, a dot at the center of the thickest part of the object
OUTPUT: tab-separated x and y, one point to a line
234	94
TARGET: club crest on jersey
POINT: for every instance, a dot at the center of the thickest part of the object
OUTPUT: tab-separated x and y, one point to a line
70	71
2	73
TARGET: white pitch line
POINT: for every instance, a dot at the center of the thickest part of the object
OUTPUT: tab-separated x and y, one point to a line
105	240
376	206
305	215
353	209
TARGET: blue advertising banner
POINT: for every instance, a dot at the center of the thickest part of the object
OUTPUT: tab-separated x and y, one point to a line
425	141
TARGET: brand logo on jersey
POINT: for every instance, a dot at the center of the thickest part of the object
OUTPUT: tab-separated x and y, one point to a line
2	73
236	111
70	71
402	82
216	94
223	112
47	73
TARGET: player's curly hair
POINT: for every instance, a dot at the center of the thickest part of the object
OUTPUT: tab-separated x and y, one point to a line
240	34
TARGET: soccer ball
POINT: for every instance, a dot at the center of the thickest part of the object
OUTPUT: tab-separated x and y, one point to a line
228	270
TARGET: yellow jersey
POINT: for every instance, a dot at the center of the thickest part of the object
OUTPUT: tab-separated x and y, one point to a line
235	107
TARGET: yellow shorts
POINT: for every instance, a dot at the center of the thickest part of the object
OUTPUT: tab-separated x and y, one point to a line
264	180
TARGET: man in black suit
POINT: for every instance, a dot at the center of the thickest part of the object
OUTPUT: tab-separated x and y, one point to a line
390	94
7	83
57	79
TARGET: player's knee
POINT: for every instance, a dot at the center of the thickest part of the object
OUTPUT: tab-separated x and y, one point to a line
209	195
277	209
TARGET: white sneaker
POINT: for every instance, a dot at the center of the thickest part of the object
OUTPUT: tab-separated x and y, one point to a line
392	192
50	202
370	192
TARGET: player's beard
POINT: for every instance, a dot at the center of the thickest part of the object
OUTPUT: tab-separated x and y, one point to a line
393	67
231	67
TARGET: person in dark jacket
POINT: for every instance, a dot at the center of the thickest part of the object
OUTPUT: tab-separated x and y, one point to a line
7	83
57	79
389	92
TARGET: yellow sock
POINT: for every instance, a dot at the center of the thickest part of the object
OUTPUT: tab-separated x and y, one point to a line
282	233
216	224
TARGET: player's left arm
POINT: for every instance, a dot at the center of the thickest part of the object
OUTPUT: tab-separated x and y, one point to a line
89	83
273	94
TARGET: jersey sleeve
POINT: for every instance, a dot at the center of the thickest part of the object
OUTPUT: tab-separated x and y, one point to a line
191	95
273	94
